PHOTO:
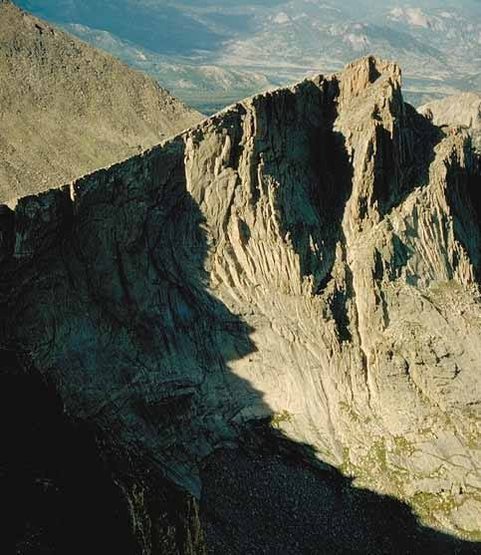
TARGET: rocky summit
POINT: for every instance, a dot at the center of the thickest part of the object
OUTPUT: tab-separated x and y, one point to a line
66	109
261	336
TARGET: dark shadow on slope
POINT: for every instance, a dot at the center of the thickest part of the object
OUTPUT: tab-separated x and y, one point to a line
272	496
56	493
125	264
65	485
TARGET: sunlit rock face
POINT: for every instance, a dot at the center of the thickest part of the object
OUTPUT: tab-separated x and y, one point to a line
308	258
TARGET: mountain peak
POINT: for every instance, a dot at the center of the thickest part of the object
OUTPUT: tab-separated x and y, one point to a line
307	258
359	75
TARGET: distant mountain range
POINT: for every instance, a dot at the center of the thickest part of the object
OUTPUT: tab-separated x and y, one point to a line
215	53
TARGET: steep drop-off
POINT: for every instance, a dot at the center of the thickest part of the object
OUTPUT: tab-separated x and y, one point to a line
67	109
295	278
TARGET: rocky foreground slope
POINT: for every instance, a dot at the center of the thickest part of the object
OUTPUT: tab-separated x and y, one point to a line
264	332
71	108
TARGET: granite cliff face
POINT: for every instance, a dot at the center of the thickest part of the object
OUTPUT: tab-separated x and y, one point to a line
306	261
47	76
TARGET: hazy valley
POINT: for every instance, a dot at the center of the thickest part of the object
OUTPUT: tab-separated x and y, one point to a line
215	53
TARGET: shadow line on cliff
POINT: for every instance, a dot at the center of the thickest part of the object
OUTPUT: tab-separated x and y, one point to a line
142	364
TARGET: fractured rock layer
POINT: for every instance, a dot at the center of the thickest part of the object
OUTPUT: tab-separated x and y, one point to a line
309	257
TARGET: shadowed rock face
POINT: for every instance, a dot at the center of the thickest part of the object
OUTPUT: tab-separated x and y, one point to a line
67	109
67	489
307	258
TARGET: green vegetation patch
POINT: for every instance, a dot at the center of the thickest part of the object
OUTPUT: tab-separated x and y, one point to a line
278	418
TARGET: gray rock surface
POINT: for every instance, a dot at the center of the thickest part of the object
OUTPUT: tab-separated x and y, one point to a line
309	256
67	109
460	110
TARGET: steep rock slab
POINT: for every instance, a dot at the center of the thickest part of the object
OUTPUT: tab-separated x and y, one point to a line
67	109
308	256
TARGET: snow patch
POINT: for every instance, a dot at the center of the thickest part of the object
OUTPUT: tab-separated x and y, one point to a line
281	18
413	16
356	42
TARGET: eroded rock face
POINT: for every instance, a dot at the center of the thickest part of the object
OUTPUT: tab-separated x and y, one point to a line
309	256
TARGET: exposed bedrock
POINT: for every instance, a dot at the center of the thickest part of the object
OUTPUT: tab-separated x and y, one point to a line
307	258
